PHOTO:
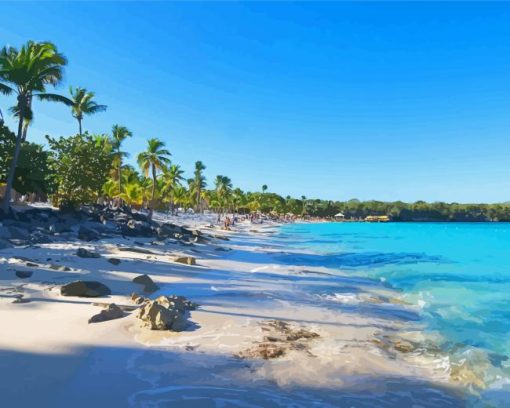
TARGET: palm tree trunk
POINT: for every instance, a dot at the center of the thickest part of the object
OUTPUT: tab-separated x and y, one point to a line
151	209
12	170
79	125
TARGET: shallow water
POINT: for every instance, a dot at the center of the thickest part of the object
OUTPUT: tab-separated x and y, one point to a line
457	276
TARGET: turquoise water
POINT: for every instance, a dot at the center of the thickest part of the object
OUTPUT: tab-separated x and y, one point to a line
456	274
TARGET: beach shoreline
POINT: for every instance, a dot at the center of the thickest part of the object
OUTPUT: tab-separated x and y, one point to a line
257	330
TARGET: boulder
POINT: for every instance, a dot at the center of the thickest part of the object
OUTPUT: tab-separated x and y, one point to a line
85	253
5	244
114	261
166	313
149	285
111	312
18	233
4	232
85	289
188	260
87	234
24	274
58	227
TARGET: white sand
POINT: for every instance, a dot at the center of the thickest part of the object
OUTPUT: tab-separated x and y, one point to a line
51	357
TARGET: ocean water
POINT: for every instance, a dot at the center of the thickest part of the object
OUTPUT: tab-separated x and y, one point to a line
457	275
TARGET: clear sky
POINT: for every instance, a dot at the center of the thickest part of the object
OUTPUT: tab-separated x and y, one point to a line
333	100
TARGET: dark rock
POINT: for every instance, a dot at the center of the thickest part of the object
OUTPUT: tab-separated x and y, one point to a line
85	253
85	289
111	312
60	268
58	227
24	274
114	261
19	233
149	285
137	250
87	234
4	232
5	244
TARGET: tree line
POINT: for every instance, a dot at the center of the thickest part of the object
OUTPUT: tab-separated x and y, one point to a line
84	168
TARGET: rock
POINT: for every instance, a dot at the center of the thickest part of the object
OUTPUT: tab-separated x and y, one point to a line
149	285
87	234
85	289
19	233
137	250
188	260
223	237
165	313
60	268
111	312
58	227
403	346
85	253
135	297
114	261
21	299
24	274
5	244
4	232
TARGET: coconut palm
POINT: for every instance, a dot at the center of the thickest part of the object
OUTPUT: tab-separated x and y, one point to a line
119	133
153	160
199	184
81	102
26	73
264	188
132	194
171	178
223	189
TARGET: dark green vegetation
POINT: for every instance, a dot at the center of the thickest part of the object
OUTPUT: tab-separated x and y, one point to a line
85	168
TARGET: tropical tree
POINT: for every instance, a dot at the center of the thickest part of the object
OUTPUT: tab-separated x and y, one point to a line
198	184
119	133
26	73
80	165
153	160
223	190
180	196
81	102
171	178
264	188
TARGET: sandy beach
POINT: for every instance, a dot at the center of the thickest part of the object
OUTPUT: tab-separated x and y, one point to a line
257	338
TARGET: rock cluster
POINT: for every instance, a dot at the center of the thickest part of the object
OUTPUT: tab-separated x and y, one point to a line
85	253
166	313
280	338
89	223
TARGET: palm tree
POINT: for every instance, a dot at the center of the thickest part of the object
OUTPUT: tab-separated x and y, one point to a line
223	189
26	73
133	194
152	161
172	178
119	133
199	183
81	103
264	188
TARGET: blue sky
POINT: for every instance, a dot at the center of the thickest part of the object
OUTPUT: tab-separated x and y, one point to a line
381	101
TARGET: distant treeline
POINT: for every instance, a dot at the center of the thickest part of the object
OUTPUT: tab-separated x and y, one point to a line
417	211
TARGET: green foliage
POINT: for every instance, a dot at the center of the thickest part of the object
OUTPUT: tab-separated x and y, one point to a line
81	165
7	143
32	172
